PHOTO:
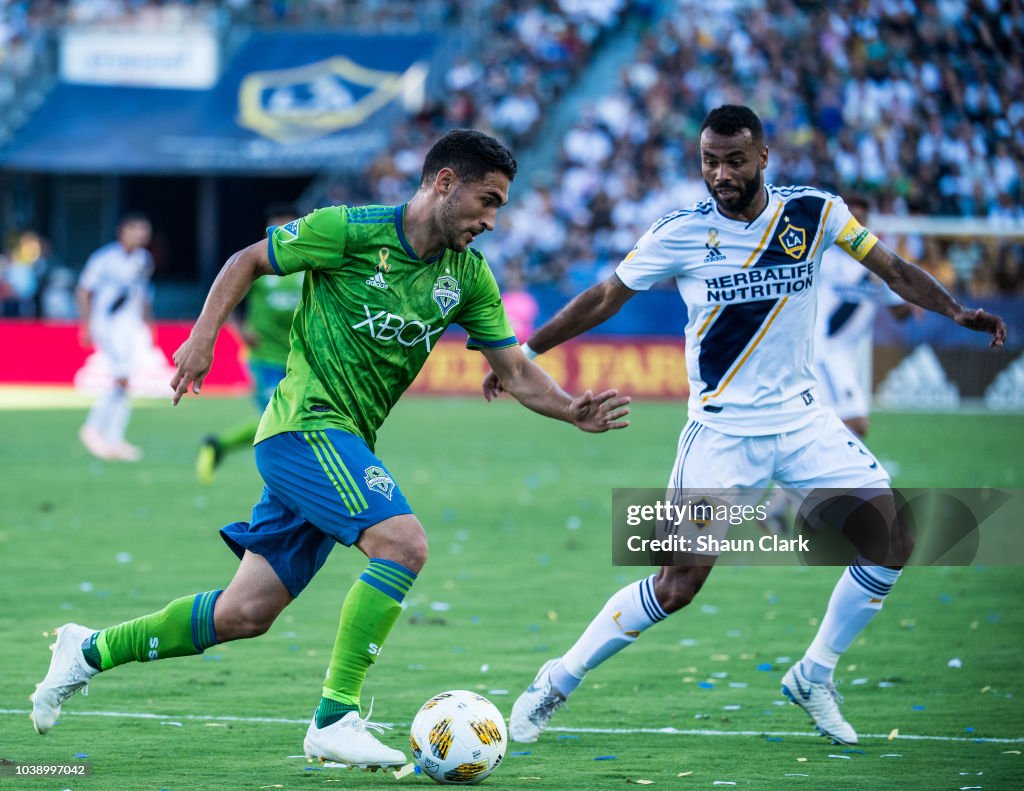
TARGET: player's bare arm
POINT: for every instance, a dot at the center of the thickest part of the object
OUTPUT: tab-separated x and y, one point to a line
534	389
195	356
587	310
920	288
83	298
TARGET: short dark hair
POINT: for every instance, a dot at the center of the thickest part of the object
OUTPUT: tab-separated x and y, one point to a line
732	119
471	154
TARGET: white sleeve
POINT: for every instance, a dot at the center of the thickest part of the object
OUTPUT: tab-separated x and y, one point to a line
646	264
838	217
92	273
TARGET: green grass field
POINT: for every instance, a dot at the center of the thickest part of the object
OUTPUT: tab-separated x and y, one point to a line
517	509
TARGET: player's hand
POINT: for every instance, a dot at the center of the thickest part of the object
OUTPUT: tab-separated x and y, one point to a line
599	413
981	321
193	361
84	336
492	386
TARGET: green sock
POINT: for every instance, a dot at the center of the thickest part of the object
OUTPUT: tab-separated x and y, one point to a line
370	610
238	436
182	628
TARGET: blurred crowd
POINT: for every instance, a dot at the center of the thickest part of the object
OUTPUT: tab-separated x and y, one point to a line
917	104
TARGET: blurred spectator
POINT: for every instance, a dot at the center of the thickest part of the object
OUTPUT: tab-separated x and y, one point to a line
22	269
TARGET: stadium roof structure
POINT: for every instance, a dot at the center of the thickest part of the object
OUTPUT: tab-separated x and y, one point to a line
286	103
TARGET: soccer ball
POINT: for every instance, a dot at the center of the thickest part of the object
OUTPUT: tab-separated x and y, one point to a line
458	737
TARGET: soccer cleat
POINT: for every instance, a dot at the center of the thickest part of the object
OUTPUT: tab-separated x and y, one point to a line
123	451
94	443
68	673
532	710
348	741
821	702
209	457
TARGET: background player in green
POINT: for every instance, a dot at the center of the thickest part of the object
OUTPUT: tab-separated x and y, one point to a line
382	284
269	306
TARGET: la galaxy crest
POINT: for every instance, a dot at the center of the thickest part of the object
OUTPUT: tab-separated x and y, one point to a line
379	481
793	240
446	293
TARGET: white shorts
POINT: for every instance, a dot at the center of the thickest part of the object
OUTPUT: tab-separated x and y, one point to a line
839	385
118	341
821	457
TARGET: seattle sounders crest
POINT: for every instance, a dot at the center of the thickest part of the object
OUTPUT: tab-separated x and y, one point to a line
379	481
446	293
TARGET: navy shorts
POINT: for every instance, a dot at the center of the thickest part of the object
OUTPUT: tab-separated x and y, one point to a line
322	487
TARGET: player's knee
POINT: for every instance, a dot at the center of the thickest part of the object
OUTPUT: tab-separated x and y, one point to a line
245	620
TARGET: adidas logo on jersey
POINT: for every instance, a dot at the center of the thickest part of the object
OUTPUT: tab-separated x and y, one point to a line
714	254
377	281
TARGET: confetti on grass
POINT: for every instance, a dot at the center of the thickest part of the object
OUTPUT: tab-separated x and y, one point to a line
684	774
641	782
606	757
405	771
894	733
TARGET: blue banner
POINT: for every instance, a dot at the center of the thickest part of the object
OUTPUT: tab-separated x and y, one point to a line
287	102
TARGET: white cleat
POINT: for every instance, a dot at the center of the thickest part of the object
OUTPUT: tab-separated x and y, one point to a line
348	741
123	451
821	702
68	673
532	710
94	443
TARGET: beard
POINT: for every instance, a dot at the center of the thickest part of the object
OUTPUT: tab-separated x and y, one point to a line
451	235
746	195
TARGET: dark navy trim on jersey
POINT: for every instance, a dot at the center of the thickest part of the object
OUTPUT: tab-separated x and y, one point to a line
804	212
729	335
704	207
272	257
399	214
476	343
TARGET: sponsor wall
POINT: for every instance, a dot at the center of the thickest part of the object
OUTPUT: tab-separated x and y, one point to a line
48	353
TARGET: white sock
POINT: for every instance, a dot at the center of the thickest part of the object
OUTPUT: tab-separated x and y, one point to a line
97	419
856	600
625	615
118	412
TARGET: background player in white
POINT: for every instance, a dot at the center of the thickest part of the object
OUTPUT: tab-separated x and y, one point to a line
745	263
848	297
114	307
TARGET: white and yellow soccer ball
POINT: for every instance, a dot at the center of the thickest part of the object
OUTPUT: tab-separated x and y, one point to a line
458	737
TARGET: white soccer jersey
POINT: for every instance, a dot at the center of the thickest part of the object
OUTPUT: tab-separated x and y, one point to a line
750	296
118	282
848	295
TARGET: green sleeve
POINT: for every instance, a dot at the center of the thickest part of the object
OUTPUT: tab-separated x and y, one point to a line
316	241
483	315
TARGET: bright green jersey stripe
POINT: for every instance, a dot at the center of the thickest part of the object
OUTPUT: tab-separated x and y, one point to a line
308	436
393	580
329	457
353	487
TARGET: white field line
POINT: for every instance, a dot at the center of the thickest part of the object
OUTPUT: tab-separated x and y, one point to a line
600	731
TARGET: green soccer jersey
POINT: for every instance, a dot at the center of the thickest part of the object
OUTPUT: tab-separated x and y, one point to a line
271	305
371	313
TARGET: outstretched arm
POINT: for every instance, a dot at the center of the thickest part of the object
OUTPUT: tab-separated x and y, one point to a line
592	307
534	389
195	356
918	287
